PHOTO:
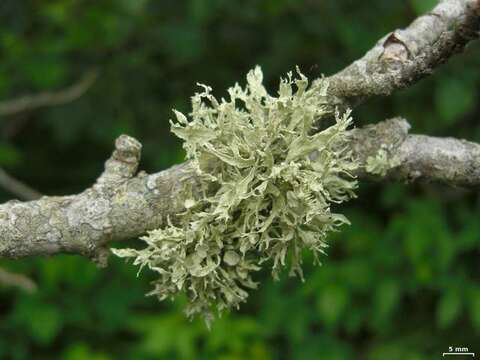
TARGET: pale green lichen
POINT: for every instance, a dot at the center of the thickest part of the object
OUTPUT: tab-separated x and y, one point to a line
272	200
382	162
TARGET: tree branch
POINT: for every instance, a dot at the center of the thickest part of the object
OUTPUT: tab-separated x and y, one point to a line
31	102
20	281
121	205
405	56
424	158
16	187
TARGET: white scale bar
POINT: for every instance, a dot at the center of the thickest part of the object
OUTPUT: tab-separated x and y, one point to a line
460	353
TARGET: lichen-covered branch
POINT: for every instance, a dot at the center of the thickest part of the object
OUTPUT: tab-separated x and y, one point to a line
118	206
417	157
404	56
122	205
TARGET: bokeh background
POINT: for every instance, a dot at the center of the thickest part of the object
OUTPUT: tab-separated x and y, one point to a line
402	282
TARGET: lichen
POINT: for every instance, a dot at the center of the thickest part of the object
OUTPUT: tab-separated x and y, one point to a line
271	199
382	162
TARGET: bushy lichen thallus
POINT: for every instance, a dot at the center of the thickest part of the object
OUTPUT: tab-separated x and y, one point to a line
271	198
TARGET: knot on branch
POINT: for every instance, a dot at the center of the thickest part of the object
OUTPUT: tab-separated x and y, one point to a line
395	49
123	163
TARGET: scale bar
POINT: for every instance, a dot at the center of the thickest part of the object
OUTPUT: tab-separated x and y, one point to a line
460	353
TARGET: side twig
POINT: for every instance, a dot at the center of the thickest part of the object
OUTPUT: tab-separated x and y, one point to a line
32	102
20	281
18	188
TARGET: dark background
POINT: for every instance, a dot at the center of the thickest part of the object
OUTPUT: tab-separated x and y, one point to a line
402	282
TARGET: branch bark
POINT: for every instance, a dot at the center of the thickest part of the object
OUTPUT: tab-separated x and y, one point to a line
118	206
122	205
32	102
420	158
404	56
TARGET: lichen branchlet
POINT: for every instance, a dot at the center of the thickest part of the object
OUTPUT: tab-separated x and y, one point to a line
382	162
272	199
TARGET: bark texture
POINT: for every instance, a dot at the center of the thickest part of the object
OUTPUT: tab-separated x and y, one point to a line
123	204
118	206
404	56
424	158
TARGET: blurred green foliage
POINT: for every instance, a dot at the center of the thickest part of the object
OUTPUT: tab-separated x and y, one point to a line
402	282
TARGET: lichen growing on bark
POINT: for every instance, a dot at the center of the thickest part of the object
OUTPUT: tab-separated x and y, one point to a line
270	200
382	162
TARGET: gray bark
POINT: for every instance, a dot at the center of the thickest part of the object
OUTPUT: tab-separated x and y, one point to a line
421	158
122	205
404	56
118	206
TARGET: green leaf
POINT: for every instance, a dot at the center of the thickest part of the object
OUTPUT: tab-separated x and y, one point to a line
332	303
42	321
46	73
56	12
453	98
135	7
182	40
81	351
422	6
449	308
474	308
9	155
387	296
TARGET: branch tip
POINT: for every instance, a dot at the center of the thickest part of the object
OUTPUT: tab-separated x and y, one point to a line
405	56
127	149
123	163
